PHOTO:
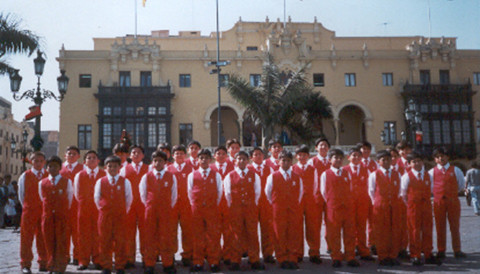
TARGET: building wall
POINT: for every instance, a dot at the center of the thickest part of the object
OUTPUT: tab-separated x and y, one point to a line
167	56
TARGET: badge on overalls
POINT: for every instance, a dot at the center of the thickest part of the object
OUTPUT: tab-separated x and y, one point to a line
166	184
346	180
184	175
211	181
118	187
60	191
395	183
293	183
249	180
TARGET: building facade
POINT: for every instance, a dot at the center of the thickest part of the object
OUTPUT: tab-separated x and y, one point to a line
11	160
158	86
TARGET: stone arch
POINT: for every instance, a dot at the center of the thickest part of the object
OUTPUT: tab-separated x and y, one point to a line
232	121
351	119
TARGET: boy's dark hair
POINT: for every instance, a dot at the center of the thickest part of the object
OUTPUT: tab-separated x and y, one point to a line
364	144
353	150
392	149
73	148
273	142
159	153
194	142
323	139
233	141
302	148
120	148
179	148
137	146
403	145
242	152
37	153
475	164
220	148
256	148
383	153
90	152
414	155
54	159
285	154
113	159
335	152
205	151
439	150
163	146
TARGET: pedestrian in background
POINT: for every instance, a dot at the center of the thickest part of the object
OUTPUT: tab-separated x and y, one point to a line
472	185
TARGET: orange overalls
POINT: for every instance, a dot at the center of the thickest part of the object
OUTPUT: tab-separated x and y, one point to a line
386	213
419	215
272	164
401	168
157	198
339	207
112	219
361	205
225	228
136	215
372	167
31	221
309	209
56	203
183	210
320	166
204	195
241	196
193	163
446	205
87	216
265	213
285	197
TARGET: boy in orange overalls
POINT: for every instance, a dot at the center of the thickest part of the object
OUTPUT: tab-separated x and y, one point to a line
193	149
56	193
32	214
205	192
384	190
158	192
242	189
361	201
183	210
415	191
264	207
335	188
113	197
83	187
284	191
310	207
274	147
233	147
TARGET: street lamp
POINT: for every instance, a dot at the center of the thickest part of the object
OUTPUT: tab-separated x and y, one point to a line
37	95
24	151
414	120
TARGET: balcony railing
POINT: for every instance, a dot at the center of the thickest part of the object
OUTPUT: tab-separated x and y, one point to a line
438	88
153	90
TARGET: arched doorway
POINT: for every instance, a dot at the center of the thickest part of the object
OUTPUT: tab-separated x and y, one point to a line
351	126
230	126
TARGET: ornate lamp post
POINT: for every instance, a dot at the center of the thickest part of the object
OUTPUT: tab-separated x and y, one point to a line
38	95
414	120
24	151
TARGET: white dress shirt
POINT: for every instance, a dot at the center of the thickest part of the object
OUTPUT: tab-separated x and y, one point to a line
76	183
218	179
458	174
227	186
55	182
128	190
142	187
406	181
21	184
269	184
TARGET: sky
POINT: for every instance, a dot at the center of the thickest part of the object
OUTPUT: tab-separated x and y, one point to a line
74	23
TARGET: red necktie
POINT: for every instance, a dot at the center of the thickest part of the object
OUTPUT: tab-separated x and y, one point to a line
179	168
243	174
443	169
355	170
112	181
159	176
92	175
204	174
339	172
70	167
303	167
39	175
220	168
287	176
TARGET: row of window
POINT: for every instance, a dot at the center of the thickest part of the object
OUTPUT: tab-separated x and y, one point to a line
185	80
130	111
11	169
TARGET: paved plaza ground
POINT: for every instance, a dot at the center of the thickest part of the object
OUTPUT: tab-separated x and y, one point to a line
469	229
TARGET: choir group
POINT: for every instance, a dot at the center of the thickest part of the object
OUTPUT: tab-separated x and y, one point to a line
378	208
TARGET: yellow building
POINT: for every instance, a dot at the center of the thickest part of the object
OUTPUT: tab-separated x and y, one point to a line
158	87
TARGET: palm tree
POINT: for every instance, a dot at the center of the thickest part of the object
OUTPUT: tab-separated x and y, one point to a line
279	104
14	40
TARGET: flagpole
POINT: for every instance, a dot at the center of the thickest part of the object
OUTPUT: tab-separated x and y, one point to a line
284	13
135	18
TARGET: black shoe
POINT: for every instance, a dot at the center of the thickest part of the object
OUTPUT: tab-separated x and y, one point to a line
42	269
395	262
373	250
285	265
170	269
433	260
299	259
26	270
329	251
227	262
196	268
186	262
235	267
441	255
257	266
367	258
417	262
353	263
98	267
214	268
315	259
269	259
106	271
403	255
75	262
385	262
460	255
245	255
293	265
82	267
149	270
129	265
336	263
120	271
